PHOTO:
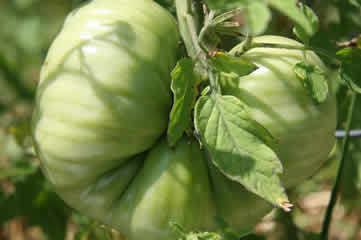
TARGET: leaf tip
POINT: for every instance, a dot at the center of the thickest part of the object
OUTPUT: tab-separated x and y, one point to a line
285	205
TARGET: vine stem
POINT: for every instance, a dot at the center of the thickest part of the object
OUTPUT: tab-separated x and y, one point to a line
189	27
344	153
188	20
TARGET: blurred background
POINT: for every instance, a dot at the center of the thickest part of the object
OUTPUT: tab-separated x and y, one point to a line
30	210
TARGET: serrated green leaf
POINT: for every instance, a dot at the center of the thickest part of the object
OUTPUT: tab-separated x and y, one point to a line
313	19
259	16
223	62
314	81
184	88
290	9
240	147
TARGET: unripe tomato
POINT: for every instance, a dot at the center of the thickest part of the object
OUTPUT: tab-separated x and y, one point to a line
278	100
143	195
104	87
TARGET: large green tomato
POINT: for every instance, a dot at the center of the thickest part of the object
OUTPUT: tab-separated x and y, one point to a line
278	100
104	86
102	105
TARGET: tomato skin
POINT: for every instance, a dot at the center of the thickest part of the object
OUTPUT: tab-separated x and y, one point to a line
104	86
141	196
277	100
103	94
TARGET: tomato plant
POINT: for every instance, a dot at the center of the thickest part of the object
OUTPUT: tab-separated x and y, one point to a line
103	100
264	117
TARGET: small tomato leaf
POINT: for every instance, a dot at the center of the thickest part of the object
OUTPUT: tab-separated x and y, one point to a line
184	82
240	147
312	18
314	81
290	9
223	62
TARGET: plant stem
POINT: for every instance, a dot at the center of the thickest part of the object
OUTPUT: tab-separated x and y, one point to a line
336	186
188	21
188	14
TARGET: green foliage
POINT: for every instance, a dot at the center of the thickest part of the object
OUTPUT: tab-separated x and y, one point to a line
184	87
34	198
225	63
301	18
259	15
240	147
314	81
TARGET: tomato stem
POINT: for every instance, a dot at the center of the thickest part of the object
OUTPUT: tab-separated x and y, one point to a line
344	153
188	20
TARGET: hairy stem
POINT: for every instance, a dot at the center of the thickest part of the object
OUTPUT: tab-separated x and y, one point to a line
188	20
